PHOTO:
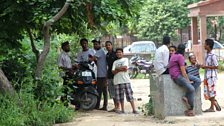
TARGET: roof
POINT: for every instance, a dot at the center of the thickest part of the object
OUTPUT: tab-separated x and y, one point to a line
207	8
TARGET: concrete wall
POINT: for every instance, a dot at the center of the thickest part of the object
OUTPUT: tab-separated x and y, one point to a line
167	97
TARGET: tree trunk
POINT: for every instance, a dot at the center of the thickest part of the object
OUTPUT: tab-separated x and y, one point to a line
46	48
5	86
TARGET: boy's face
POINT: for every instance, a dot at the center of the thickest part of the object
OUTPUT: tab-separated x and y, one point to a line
193	59
96	45
84	45
119	54
108	47
172	50
206	46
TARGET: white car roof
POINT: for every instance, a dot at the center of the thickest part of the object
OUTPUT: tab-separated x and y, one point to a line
142	42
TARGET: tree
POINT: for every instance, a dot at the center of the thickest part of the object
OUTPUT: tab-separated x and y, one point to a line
161	18
22	17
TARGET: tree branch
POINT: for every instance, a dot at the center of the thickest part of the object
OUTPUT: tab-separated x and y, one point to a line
46	48
34	49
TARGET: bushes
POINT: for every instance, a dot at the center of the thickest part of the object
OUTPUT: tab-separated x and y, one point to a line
23	109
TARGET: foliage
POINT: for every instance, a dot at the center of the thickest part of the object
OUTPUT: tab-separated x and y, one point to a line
22	109
148	108
161	18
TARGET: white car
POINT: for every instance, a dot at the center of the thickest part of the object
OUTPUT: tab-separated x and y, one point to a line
189	45
143	47
127	49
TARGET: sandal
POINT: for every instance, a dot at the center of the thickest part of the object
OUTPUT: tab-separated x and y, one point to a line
189	113
217	106
112	110
209	110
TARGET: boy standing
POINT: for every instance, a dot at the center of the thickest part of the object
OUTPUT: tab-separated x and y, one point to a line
122	81
211	66
110	57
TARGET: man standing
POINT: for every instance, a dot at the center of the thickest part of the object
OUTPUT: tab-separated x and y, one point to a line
111	57
86	54
64	64
162	57
100	58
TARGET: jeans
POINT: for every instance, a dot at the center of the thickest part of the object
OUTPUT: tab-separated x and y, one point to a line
190	87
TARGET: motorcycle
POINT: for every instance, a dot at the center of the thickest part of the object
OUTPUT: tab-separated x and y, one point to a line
84	93
139	65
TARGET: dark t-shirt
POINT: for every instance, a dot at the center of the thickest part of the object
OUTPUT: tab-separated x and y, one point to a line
110	57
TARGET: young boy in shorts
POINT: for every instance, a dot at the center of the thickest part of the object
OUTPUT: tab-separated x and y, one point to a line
210	81
122	82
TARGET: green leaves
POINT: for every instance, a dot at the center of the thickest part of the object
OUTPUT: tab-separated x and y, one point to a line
158	18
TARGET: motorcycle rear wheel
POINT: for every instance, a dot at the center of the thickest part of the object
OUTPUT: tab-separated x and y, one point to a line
88	101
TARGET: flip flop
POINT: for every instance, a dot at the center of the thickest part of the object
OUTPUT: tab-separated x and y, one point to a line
112	110
189	113
209	110
217	106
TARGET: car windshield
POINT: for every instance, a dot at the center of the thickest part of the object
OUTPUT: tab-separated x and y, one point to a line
138	48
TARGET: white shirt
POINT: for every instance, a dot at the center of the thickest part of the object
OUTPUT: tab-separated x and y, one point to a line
64	60
121	77
161	59
84	56
211	60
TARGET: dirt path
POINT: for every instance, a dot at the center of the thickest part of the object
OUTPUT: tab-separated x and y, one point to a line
141	90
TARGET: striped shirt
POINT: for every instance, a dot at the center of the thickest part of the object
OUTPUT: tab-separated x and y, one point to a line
193	70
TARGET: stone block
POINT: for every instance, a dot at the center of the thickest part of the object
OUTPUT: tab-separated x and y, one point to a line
167	97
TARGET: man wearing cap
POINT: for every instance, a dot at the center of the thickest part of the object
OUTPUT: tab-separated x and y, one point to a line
65	65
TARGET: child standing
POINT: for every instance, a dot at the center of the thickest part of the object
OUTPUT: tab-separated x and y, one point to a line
122	82
211	66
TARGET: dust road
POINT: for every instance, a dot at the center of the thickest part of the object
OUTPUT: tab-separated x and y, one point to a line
141	92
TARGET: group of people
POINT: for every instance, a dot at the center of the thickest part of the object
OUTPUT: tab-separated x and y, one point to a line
170	60
110	70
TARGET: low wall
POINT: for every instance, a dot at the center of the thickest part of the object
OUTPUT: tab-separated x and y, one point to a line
167	97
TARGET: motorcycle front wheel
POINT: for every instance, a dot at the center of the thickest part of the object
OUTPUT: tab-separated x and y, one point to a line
133	73
88	101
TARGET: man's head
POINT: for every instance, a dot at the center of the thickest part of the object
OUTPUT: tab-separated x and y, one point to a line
192	59
109	46
96	44
119	53
209	43
84	44
172	49
65	46
166	40
181	49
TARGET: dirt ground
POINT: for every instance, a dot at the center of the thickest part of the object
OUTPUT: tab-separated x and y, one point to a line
141	91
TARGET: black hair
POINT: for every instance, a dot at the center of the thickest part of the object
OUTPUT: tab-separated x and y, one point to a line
180	49
108	42
64	44
175	48
95	41
189	57
210	43
166	40
119	49
83	40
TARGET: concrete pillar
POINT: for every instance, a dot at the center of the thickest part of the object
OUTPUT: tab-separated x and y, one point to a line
194	30
203	36
167	97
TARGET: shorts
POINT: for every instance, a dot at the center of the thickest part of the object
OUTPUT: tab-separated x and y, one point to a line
210	88
120	89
